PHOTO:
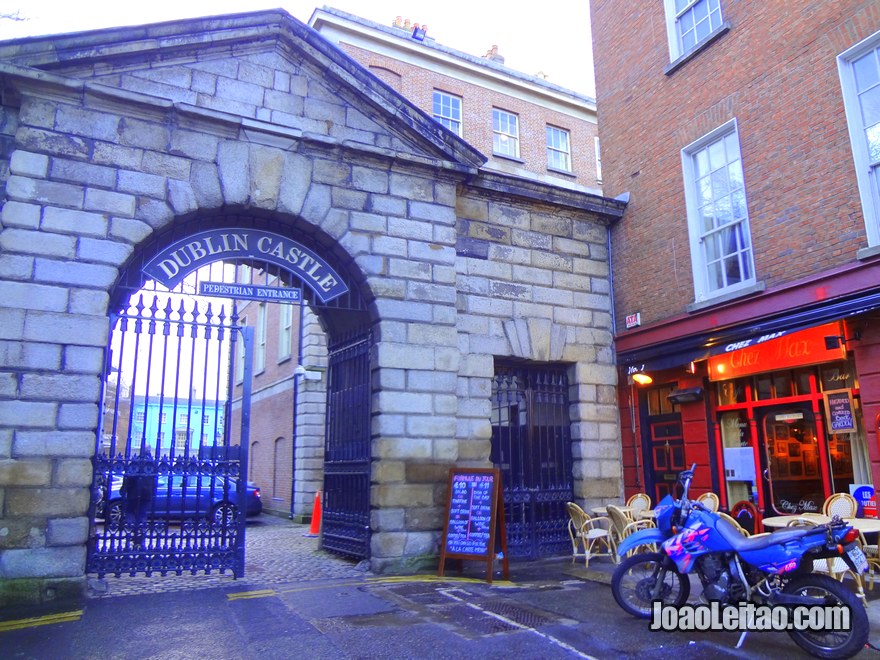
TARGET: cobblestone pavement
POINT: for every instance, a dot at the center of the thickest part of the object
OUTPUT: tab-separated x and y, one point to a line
277	551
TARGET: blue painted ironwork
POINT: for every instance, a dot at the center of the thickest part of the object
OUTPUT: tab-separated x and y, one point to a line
347	455
169	495
531	445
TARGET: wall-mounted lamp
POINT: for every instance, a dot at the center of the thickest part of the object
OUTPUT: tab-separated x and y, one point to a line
642	378
834	341
686	395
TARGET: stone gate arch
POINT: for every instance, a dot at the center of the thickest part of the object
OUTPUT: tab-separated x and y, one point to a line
114	140
336	292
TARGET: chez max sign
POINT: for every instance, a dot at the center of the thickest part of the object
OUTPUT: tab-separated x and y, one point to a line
775	351
170	266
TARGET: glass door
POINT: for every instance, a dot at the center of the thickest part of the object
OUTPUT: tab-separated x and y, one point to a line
790	453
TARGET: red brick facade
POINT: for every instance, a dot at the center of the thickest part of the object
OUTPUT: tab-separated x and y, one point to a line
773	69
776	73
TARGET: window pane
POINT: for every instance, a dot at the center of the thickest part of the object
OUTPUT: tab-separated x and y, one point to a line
717	155
867	71
873	135
870	102
716	281
702	162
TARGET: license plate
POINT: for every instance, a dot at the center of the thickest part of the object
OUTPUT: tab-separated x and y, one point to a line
854	552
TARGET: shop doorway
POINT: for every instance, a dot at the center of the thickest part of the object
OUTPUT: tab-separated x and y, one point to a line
663	443
790	448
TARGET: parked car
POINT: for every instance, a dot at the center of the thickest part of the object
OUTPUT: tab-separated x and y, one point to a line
179	497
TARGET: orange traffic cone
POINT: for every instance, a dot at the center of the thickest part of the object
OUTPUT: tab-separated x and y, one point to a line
315	528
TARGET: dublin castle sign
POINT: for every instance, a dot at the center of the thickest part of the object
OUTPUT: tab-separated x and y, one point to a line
171	265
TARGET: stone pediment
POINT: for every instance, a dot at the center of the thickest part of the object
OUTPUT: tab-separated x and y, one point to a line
263	68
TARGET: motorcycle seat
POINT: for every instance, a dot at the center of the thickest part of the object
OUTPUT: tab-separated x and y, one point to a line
742	543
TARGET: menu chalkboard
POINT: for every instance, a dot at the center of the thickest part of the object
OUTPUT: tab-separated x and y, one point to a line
839	411
475	511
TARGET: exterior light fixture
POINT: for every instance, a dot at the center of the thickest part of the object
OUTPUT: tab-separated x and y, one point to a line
834	341
642	378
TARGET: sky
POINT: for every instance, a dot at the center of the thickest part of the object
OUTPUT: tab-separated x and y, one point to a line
552	38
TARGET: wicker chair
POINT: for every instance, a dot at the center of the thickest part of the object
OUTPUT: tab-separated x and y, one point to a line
622	526
590	537
836	567
841	504
709	500
638	503
733	521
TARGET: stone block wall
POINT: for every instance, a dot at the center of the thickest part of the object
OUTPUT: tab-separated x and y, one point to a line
459	269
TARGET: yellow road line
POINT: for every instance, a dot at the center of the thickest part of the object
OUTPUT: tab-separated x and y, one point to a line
46	620
259	593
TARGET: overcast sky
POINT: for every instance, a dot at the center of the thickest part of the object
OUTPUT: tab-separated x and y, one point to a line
553	36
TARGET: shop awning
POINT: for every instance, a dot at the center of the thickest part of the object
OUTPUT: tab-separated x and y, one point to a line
682	351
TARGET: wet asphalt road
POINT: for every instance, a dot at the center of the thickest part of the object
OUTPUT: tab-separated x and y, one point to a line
298	602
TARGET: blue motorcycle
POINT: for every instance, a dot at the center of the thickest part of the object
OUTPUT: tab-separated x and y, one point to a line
769	569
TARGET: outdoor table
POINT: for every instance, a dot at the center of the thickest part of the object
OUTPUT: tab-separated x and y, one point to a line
782	521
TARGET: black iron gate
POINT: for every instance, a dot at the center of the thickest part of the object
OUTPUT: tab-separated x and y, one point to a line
531	444
169	491
347	452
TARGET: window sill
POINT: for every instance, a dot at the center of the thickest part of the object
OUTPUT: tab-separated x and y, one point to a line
284	359
672	67
758	287
510	158
868	253
567	173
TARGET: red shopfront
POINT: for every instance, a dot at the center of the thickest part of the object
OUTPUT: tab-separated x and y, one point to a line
787	421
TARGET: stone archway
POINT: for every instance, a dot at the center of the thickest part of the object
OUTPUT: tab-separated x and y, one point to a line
123	141
323	283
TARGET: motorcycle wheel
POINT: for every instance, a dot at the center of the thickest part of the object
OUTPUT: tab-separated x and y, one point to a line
635	580
830	644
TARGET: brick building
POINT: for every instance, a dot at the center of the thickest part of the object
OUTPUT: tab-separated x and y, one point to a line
528	128
745	268
467	310
526	125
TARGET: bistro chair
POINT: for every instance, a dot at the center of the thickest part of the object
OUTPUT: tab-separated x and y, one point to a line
841	504
710	501
622	526
748	516
873	557
638	503
742	530
836	567
589	538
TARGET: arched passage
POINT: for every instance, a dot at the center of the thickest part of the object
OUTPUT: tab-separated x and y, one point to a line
180	259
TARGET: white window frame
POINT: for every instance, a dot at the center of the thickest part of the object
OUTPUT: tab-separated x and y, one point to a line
285	332
554	149
261	338
505	133
449	114
598	159
673	27
698	242
867	172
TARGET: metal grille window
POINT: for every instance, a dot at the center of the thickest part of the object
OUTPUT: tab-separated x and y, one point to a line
721	246
558	149
447	111
505	138
531	444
